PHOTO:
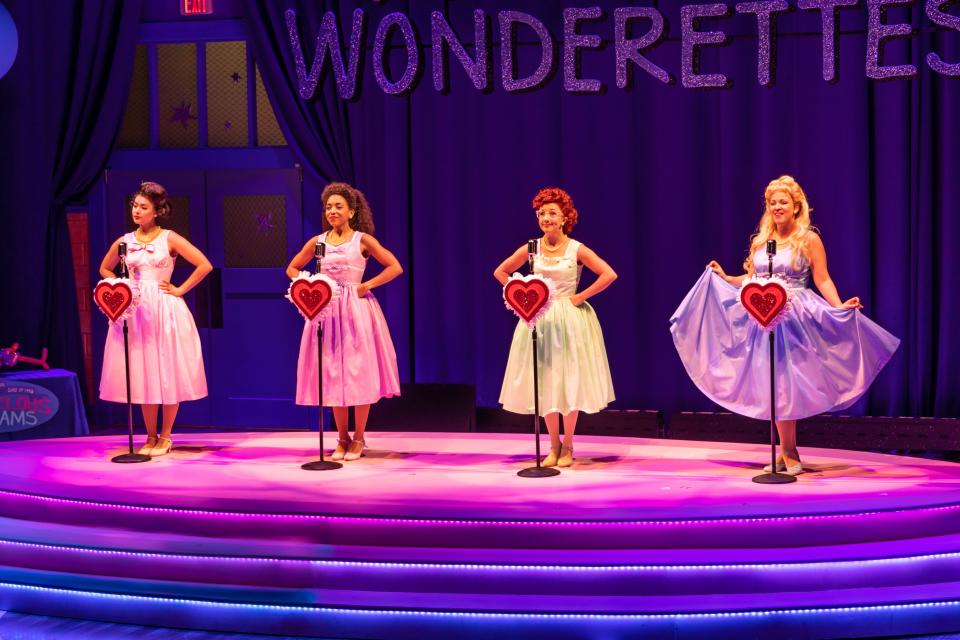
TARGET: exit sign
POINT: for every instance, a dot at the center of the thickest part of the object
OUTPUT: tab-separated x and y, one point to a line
196	7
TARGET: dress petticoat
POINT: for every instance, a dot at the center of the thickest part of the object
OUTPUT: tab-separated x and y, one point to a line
574	374
166	361
359	361
826	358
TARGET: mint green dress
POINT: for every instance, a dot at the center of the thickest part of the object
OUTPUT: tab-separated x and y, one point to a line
572	360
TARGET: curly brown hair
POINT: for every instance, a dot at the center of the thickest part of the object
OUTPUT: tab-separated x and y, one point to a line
362	219
157	195
563	200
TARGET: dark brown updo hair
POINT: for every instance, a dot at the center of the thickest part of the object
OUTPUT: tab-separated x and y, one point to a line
362	219
157	195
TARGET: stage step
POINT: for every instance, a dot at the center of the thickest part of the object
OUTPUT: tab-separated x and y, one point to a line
872	551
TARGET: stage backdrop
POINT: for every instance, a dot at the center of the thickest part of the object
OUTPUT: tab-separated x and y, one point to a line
665	177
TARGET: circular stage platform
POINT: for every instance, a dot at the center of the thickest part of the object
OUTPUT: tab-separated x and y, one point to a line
434	535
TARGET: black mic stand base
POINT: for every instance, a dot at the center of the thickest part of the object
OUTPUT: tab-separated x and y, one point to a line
321	465
538	472
129	458
774	478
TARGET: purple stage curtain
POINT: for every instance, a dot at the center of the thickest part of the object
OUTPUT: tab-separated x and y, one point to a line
318	130
61	107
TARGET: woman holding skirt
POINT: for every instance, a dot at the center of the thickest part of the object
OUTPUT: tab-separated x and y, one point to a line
827	352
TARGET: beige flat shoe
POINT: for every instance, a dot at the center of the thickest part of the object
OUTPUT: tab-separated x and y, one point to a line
148	446
341	450
162	448
566	457
355	450
550	460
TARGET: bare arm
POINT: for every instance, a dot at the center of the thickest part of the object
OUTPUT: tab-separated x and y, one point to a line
817	255
506	268
605	274
181	246
736	281
110	260
302	258
391	266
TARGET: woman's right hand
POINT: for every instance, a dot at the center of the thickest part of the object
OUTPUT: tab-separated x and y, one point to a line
714	266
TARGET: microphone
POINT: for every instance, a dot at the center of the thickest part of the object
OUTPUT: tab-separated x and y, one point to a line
319	250
532	247
122	252
771	251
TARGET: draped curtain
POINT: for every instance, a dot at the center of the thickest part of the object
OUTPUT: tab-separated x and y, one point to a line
61	106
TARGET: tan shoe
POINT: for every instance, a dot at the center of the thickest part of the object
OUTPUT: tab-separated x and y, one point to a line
162	448
355	450
551	458
566	456
148	445
341	450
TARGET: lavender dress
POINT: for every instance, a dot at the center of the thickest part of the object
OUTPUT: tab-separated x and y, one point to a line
826	358
359	361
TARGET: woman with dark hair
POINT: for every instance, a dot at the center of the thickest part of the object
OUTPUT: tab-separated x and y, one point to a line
166	362
571	359
359	361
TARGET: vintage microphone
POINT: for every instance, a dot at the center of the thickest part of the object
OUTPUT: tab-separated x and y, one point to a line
130	456
535	471
319	251
773	477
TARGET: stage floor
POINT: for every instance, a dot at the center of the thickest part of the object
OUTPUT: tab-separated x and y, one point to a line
434	536
474	476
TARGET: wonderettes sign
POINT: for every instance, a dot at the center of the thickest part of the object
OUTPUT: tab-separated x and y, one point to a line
635	32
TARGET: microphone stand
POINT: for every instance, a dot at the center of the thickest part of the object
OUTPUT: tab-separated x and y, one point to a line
536	471
319	251
773	477
129	457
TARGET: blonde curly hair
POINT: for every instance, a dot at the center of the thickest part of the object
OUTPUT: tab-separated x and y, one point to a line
766	227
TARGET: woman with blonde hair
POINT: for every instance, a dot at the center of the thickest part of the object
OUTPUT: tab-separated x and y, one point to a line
827	352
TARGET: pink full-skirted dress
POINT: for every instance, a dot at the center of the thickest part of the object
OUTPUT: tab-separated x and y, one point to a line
166	362
359	361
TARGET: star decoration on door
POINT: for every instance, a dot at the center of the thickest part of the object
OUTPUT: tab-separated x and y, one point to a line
182	114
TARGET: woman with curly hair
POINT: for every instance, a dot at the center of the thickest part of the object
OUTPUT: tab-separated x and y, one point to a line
571	360
828	353
359	361
166	363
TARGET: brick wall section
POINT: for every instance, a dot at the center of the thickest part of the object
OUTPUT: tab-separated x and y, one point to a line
80	246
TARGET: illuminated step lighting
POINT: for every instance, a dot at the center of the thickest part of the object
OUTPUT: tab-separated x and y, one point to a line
388	565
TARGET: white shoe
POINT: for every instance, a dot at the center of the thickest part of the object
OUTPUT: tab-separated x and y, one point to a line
780	466
795	470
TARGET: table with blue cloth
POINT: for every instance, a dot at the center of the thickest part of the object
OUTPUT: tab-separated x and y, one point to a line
41	404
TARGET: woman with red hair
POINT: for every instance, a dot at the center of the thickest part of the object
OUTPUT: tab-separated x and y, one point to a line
571	359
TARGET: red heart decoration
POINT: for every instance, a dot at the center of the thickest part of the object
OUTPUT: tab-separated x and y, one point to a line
113	299
764	301
310	296
526	298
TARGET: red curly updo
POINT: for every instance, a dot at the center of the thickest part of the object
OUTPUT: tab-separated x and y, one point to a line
563	200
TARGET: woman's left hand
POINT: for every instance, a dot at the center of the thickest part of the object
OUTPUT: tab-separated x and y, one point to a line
168	288
852	303
577	299
362	290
